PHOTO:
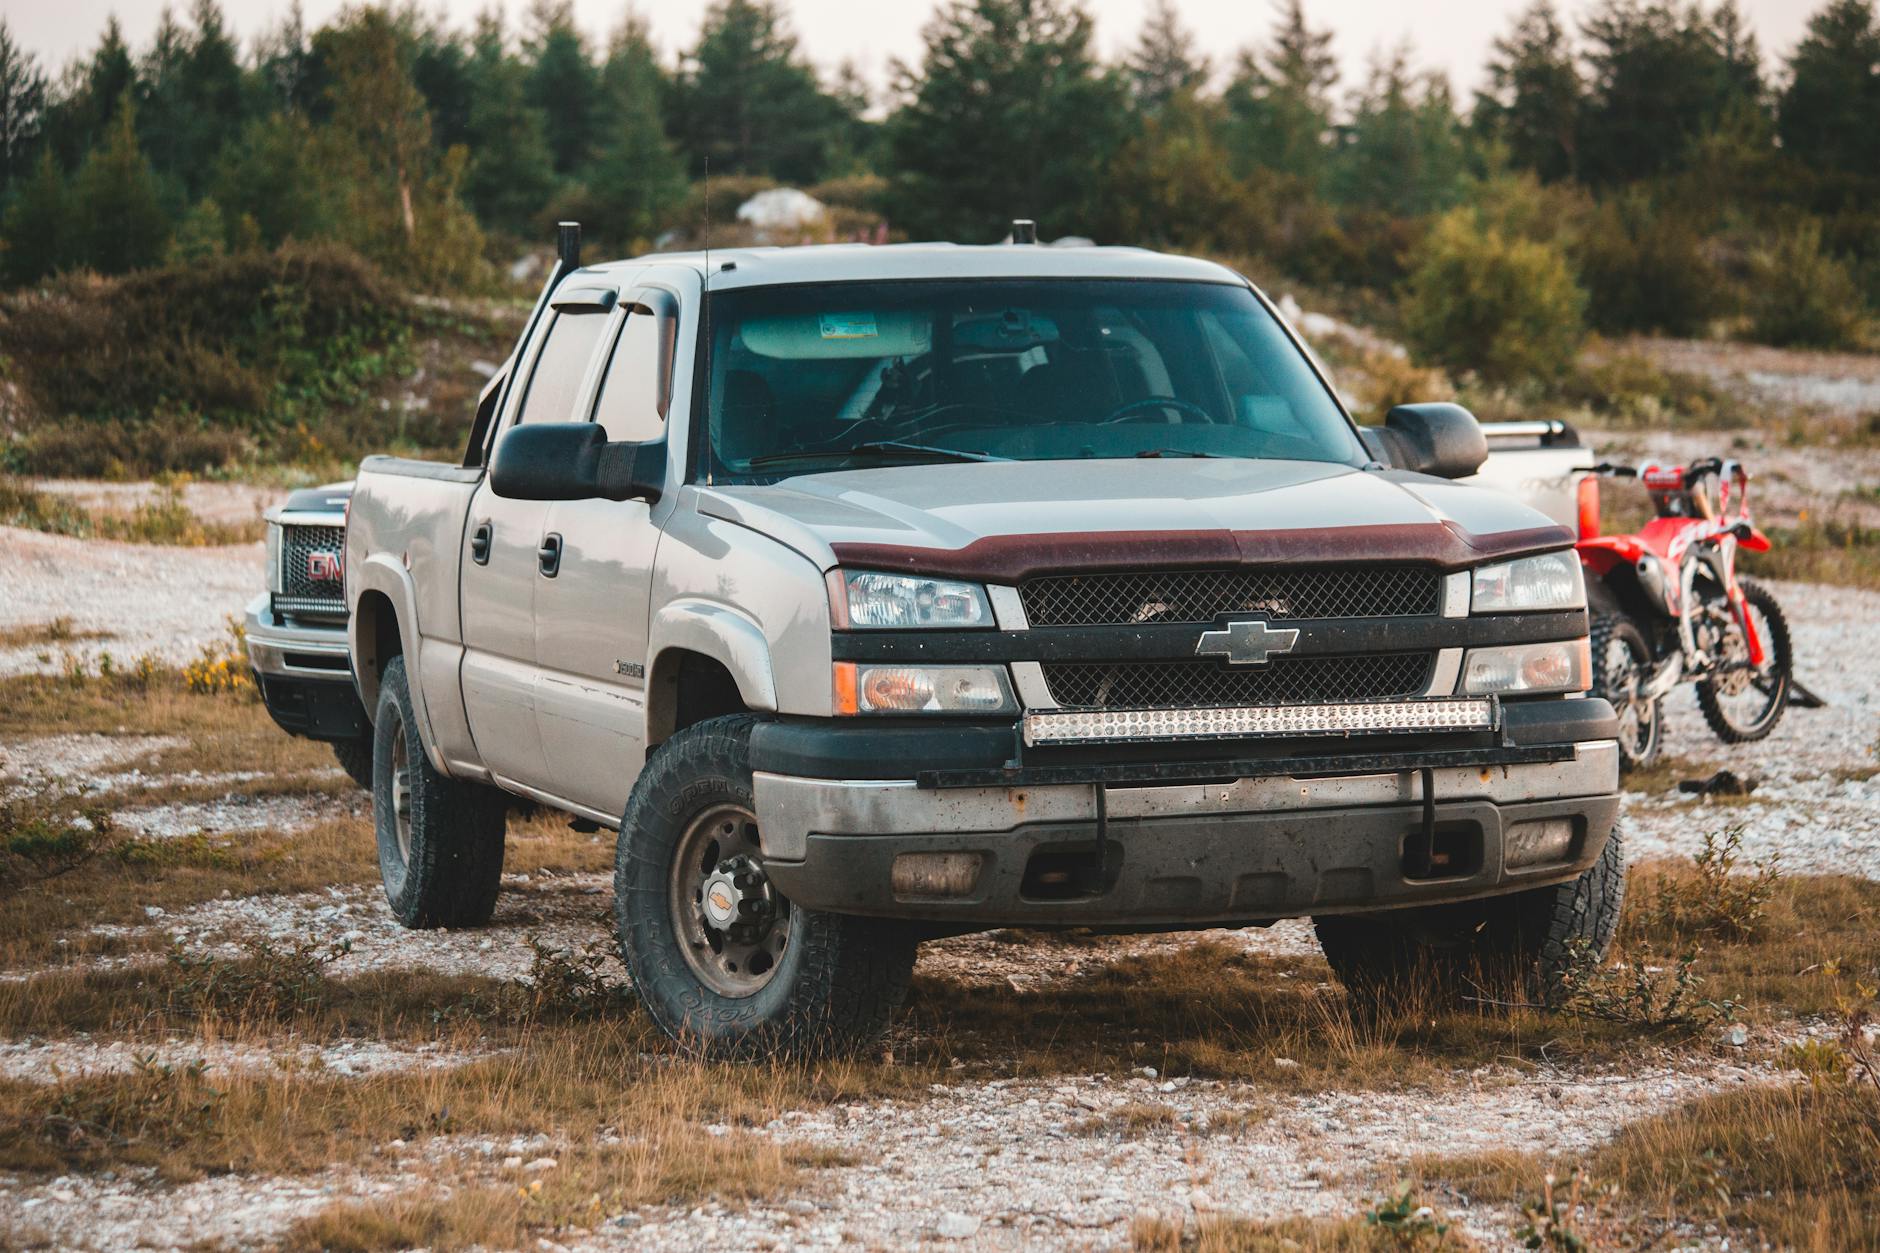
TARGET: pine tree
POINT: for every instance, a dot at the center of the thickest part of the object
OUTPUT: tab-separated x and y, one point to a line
22	110
118	219
638	178
1403	153
511	173
1164	63
403	208
563	83
745	98
1532	104
1830	113
287	71
78	121
440	67
37	228
1280	104
283	177
1661	77
1009	115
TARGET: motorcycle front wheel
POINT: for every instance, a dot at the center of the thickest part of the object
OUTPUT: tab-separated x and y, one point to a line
1743	702
1622	664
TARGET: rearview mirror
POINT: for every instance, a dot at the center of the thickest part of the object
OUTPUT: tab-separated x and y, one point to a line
574	461
1437	438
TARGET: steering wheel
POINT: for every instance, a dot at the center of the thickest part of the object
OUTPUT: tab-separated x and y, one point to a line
1128	409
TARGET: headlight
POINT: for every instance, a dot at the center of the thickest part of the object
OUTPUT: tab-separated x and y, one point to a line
274	557
866	688
1549	581
872	601
1531	669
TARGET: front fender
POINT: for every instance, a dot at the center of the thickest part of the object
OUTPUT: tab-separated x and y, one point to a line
732	639
381	575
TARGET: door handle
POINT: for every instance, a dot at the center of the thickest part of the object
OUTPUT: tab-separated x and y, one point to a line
548	556
480	544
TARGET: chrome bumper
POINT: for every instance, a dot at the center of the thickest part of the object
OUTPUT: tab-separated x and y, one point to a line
790	809
277	649
1188	854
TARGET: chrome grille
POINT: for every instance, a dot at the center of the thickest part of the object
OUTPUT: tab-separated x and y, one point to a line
1134	597
300	591
1202	684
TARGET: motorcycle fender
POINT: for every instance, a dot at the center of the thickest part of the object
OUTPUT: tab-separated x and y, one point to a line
1601	555
1757	541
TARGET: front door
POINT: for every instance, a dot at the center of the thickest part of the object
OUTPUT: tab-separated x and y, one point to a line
504	564
500	571
591	620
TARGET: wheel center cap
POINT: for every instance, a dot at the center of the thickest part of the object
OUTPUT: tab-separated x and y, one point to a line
721	900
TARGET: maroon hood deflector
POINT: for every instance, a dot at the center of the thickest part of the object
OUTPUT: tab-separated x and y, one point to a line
1009	558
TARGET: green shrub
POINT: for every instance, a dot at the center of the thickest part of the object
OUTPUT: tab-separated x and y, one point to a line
1802	295
1507	309
1647	269
184	367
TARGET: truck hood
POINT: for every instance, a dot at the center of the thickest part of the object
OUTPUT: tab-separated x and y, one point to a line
1003	521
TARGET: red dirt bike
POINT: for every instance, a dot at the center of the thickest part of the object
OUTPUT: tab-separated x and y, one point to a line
1667	607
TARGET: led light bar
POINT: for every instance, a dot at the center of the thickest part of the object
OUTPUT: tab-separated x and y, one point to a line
1367	718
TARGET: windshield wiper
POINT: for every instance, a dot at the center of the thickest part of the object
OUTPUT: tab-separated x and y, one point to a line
877	447
1174	452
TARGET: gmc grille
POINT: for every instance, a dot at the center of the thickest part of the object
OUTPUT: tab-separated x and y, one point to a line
1137	597
1205	684
300	592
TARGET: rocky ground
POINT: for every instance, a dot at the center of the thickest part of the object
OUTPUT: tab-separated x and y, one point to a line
1076	1160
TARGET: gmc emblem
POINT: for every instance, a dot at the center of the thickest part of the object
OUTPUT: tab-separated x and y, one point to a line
325	568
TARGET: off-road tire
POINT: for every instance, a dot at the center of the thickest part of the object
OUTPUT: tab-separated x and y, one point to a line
835	985
355	758
1606	628
1528	943
1778	642
453	867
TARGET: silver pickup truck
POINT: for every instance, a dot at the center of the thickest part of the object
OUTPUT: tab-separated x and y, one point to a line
878	594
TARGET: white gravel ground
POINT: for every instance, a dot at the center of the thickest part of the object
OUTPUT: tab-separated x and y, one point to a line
992	1164
168	602
49	1061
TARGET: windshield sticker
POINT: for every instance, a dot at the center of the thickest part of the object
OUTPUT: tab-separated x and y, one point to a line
849	326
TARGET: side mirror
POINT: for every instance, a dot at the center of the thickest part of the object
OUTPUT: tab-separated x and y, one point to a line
1438	438
574	461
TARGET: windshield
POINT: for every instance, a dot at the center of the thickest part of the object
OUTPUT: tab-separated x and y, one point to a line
835	376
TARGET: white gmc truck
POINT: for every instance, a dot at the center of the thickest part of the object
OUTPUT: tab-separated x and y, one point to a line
877	594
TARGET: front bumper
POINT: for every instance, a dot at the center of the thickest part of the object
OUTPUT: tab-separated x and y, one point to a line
1225	850
304	671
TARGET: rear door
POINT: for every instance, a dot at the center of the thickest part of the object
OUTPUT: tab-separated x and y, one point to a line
591	619
503	557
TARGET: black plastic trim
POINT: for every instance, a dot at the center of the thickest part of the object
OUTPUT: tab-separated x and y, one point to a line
973	754
1317	637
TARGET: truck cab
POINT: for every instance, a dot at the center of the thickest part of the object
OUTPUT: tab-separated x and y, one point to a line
873	594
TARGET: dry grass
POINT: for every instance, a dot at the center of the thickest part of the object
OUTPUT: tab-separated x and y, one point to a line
59	631
1293	1235
1798	1164
166	519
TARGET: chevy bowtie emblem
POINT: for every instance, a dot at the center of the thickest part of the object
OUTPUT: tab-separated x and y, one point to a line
1247	643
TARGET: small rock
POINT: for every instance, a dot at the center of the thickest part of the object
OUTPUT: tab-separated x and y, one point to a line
542	1163
511	1163
953	1226
1147	1072
1285	1063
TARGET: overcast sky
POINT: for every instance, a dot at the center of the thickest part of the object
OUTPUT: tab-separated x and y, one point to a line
1451	35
